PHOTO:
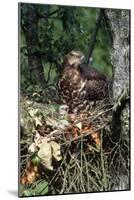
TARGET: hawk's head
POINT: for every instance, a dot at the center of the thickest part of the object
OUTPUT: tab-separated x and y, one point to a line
74	58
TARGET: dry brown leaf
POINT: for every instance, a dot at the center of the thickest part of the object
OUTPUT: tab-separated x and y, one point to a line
71	117
30	175
56	152
45	154
51	122
38	139
37	121
93	133
75	133
33	112
32	148
96	138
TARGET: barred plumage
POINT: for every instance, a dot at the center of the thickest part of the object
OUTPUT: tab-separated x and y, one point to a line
81	86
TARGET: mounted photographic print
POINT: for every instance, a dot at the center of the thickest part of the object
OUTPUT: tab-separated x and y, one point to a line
74	112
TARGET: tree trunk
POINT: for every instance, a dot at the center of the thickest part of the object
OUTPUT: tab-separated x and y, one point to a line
119	21
34	57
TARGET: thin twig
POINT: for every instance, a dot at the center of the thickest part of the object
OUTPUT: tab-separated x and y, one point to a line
93	37
104	179
82	135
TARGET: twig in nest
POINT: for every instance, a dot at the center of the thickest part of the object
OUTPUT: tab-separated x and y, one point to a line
84	134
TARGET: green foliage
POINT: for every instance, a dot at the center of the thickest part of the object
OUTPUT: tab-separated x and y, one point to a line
61	29
35	159
38	188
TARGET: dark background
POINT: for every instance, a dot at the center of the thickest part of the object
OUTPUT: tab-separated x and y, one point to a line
48	32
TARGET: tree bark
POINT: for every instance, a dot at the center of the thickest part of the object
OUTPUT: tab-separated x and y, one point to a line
120	57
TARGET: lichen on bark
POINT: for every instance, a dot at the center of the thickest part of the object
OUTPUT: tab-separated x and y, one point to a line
119	20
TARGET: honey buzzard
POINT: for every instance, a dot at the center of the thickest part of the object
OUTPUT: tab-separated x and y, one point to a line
80	86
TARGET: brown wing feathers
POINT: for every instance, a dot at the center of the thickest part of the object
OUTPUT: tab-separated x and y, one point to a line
79	85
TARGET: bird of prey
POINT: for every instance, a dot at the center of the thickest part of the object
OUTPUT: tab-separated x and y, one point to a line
80	86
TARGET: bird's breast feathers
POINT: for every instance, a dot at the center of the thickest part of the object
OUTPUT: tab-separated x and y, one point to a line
79	85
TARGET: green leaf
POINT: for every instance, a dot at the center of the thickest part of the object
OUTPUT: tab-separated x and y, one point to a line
35	159
41	187
38	188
